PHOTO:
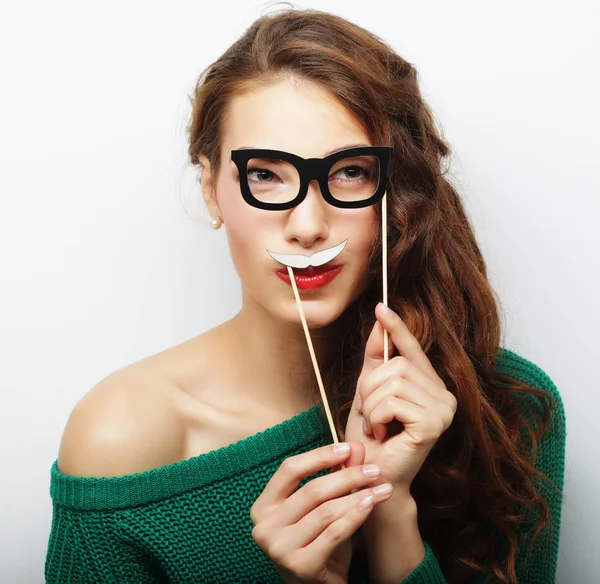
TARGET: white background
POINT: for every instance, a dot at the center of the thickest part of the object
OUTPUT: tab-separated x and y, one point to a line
105	252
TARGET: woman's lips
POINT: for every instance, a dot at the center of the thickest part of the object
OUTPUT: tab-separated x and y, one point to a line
311	278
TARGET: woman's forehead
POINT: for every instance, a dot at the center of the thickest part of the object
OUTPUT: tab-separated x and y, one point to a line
281	117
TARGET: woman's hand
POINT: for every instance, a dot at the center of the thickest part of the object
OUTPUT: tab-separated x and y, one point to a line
307	533
405	405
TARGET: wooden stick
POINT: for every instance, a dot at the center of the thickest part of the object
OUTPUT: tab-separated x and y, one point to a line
384	261
312	356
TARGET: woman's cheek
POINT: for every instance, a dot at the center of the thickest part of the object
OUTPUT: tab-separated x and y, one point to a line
248	251
237	237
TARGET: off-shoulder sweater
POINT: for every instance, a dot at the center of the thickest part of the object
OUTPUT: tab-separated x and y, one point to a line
189	522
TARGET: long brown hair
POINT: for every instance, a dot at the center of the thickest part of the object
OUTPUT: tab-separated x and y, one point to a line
437	282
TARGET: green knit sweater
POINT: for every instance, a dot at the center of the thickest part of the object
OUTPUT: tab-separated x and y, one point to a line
189	522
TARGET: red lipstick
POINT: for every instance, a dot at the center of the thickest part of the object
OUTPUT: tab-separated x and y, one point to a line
312	277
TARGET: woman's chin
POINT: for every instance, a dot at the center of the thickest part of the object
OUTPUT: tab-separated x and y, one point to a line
318	313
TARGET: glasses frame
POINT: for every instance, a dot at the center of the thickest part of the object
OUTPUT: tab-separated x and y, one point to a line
310	169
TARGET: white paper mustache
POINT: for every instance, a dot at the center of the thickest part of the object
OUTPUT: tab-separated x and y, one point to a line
303	261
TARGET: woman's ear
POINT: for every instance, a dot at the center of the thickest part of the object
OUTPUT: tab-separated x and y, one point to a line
207	183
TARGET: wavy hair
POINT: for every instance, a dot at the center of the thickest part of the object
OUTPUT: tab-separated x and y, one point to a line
480	475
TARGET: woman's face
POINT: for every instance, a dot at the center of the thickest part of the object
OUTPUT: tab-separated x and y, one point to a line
305	120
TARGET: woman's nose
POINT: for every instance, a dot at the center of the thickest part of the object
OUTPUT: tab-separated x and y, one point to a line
307	222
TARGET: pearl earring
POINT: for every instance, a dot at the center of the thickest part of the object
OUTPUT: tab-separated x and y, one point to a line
215	223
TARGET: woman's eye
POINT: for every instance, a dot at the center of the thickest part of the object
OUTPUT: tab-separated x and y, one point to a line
351	172
261	174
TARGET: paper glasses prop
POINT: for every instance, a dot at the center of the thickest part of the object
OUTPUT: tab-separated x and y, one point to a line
283	184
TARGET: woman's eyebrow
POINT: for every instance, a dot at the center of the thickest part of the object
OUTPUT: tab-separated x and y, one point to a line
324	155
343	148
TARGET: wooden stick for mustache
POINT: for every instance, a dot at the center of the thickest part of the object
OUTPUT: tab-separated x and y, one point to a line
312	355
307	332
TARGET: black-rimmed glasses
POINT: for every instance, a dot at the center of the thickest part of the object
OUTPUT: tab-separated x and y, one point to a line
276	180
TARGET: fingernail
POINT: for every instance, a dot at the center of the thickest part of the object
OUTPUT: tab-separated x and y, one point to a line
371	470
358	402
366	502
384	309
365	426
341	448
382	489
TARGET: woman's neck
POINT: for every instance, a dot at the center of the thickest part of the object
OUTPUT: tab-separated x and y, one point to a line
272	359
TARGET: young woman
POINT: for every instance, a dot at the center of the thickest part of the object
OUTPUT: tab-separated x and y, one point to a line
213	460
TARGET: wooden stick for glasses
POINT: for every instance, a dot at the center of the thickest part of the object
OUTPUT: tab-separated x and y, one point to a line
384	270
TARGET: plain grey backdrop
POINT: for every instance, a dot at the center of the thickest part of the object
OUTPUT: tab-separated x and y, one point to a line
105	252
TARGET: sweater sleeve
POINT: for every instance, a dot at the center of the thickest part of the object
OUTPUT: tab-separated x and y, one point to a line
428	571
86	546
538	566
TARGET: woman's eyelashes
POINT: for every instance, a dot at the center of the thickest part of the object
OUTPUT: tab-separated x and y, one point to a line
269	176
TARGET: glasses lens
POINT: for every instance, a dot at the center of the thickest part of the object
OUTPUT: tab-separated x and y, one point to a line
354	178
273	181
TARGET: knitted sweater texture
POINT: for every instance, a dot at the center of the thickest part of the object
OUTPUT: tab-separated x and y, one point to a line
189	522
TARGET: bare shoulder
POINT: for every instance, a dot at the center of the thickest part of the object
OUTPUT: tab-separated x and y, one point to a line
125	424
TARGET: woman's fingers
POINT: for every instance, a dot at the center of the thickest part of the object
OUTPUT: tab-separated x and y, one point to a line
336	519
323	489
400	366
307	531
405	341
392	391
291	473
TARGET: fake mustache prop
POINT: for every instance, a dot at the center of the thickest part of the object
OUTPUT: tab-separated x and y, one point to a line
318	258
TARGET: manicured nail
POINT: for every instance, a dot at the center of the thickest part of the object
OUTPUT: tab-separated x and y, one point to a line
366	502
371	470
382	489
366	428
358	402
386	311
341	448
